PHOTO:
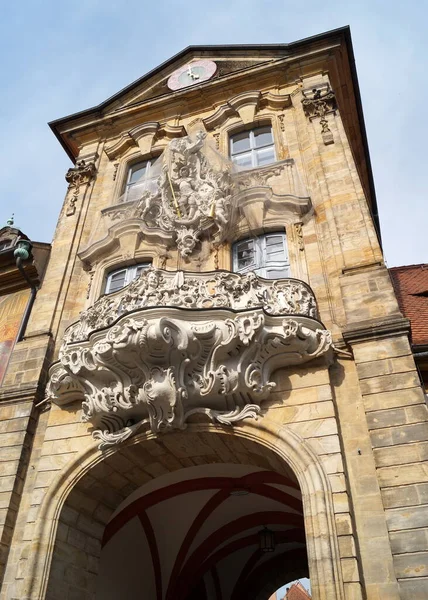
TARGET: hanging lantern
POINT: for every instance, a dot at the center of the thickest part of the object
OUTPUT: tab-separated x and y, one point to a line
267	540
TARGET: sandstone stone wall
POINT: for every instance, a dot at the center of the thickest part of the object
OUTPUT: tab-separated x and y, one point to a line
362	418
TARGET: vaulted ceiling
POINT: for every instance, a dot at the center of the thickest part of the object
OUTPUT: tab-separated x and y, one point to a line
195	533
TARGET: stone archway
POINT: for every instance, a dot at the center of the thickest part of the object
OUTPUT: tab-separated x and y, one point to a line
202	525
90	492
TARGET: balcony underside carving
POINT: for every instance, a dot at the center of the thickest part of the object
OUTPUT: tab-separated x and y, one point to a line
172	345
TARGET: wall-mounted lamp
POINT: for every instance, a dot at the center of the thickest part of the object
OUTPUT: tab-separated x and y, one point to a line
22	252
267	540
23	249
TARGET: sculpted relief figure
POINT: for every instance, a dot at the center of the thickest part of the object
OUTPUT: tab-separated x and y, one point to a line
190	197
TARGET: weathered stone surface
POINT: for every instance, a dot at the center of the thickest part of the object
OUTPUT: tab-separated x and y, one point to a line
397	416
408	495
412	565
415	540
352	429
398	455
402	434
407	518
414	589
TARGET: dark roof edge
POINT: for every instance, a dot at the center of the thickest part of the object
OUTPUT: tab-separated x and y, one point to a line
99	107
374	210
423	266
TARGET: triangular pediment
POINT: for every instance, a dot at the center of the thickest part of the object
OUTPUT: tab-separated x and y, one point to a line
155	83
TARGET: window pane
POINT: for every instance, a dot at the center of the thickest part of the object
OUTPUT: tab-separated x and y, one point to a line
240	142
134	192
275	248
278	273
266	255
245	254
137	171
263	137
265	156
274	240
243	161
116	281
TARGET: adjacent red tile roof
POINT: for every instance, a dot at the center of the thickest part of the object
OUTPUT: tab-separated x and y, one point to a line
297	592
411	287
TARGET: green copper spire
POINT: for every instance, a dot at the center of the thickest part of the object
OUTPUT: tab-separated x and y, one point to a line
10	221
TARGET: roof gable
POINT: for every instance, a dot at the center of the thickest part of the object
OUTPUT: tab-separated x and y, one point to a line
154	86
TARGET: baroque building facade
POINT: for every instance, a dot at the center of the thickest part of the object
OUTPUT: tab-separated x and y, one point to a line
215	393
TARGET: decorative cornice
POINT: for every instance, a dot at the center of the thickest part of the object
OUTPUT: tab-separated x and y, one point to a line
376	328
245	106
14	394
275	101
120	147
244	99
171	131
134	137
220	116
318	102
143	130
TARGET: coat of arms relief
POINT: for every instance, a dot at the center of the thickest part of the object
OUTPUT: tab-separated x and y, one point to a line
190	191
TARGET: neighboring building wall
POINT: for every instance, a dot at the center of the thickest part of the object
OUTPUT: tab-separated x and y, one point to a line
17	413
11	310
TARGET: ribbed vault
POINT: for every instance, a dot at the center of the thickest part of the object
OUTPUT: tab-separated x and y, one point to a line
179	517
200	533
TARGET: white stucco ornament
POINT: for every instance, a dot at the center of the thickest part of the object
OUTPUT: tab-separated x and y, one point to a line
190	196
195	193
141	364
215	289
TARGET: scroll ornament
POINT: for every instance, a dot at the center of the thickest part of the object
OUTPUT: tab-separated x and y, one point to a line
155	367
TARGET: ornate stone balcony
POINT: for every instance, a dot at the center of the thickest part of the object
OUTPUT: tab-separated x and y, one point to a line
172	344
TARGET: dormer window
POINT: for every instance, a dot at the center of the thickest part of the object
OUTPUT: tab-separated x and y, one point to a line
5	244
265	255
138	174
120	278
253	148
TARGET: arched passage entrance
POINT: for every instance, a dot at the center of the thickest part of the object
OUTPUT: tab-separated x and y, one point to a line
178	516
199	532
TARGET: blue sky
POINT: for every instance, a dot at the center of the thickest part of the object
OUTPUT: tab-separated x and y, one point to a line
61	57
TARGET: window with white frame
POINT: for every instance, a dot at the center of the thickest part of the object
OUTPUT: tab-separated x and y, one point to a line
118	279
266	255
138	174
253	148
